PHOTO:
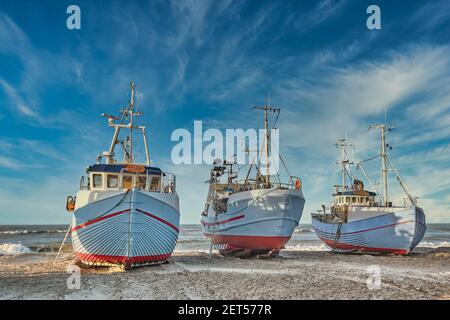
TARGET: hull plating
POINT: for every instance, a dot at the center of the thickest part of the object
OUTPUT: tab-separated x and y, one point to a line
129	228
396	232
257	221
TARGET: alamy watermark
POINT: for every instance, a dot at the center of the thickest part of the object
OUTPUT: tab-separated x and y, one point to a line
238	146
373	282
74	280
374	20
73	21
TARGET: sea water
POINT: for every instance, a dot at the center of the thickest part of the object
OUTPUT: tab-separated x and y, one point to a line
26	239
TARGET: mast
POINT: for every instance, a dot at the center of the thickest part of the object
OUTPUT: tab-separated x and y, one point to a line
384	165
127	114
267	108
384	129
342	144
131	120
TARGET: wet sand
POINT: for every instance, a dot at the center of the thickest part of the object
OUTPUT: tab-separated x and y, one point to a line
195	275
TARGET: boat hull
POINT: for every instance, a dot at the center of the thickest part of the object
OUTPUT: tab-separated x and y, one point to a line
396	232
129	229
256	222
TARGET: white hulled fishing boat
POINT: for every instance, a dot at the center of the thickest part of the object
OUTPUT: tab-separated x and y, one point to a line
255	215
361	220
125	213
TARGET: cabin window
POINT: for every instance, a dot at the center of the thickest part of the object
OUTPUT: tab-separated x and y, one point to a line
347	199
154	186
97	180
353	199
127	181
141	182
367	199
112	181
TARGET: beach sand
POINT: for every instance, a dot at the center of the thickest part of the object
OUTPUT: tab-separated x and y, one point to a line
195	275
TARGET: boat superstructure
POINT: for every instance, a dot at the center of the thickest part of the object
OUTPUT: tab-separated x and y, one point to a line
361	220
125	213
255	214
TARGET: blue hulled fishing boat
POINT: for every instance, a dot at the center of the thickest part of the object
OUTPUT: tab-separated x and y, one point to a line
125	213
361	220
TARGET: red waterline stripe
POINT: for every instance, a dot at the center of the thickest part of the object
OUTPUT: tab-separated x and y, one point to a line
83	225
159	219
224	221
359	231
249	242
344	246
100	258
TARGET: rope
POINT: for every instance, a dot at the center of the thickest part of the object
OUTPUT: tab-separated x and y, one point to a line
62	244
371	158
285	167
276	119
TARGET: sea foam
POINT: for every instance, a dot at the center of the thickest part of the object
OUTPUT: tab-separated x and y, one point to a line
306	247
434	244
13	248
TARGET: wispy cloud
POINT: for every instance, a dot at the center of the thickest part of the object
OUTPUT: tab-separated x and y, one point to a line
17	102
342	98
39	71
321	12
431	15
347	99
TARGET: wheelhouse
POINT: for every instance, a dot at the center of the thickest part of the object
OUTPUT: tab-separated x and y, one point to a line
104	177
354	198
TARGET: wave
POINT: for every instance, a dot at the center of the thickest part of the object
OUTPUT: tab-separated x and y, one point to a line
191	250
303	247
31	231
13	248
188	241
304	229
434	244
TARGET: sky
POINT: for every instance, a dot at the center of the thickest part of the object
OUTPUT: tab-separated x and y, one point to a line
212	61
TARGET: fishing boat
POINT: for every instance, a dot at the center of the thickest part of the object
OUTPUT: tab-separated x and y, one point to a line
126	213
255	214
362	220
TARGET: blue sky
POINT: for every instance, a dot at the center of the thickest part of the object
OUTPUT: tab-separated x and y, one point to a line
212	61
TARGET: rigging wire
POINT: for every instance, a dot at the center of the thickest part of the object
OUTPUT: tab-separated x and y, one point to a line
371	158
